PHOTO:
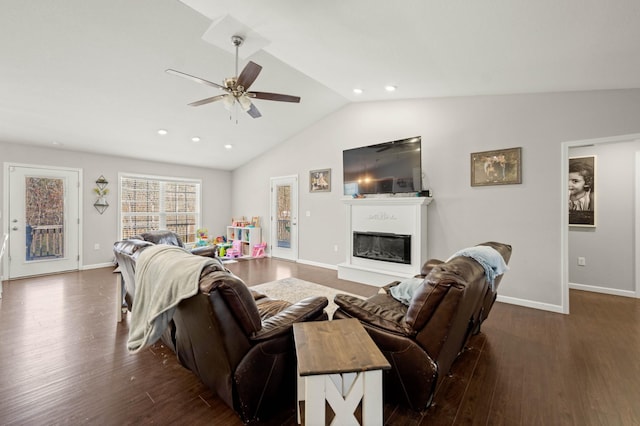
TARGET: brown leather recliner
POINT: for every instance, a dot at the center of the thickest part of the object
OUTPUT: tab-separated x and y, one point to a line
483	309
240	344
422	340
126	253
237	341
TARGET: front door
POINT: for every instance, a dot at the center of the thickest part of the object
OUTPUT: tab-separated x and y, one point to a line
284	217
44	220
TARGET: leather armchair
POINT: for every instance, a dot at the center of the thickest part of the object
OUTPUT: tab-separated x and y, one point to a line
422	340
240	343
237	341
126	253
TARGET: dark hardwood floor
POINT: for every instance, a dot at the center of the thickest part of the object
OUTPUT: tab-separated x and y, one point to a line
63	360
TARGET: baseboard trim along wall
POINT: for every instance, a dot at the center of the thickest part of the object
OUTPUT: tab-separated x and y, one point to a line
97	266
604	290
530	304
318	264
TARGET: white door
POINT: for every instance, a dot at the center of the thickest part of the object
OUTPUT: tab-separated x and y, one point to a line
284	217
44	220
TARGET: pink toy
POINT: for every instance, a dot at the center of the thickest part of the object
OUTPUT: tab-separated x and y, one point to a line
258	250
235	250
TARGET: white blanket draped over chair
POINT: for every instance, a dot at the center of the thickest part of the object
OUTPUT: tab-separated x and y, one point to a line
165	275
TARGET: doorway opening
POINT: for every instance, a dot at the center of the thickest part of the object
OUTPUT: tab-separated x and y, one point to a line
564	237
284	217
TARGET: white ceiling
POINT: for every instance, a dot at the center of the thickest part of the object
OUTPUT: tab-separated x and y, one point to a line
89	75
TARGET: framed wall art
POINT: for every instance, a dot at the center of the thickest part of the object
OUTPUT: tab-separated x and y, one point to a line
320	180
499	167
582	201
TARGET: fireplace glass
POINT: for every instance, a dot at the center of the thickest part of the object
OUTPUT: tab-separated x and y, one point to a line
384	247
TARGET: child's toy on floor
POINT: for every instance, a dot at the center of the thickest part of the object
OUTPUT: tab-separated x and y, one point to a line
235	250
258	250
203	237
222	248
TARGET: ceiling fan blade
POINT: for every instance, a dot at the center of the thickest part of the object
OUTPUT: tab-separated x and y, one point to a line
249	75
253	111
196	79
274	97
207	100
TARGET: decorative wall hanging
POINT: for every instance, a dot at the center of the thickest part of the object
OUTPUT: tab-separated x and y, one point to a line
500	167
320	180
101	191
582	201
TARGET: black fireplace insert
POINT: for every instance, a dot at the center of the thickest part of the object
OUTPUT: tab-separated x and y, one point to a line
382	246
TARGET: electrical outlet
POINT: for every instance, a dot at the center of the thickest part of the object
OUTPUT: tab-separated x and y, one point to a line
582	261
96	246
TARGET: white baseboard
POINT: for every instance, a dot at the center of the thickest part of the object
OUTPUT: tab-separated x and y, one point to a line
97	266
603	290
318	264
530	304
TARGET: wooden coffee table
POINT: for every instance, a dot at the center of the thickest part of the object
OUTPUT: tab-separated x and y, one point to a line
339	364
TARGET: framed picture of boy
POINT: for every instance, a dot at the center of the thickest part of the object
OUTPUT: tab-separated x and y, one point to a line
582	201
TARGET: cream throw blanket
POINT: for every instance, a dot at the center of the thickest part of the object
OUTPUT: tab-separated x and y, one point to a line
165	275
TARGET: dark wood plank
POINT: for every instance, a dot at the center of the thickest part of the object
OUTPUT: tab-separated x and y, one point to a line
336	347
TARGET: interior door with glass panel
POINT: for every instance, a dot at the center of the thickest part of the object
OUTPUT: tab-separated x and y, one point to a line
44	220
284	217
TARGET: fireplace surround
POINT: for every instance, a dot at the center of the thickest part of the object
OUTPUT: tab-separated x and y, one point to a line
393	215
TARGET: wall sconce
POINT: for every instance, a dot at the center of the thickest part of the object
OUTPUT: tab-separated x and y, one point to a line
101	191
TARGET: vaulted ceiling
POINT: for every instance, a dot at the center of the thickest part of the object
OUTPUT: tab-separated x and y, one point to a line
90	75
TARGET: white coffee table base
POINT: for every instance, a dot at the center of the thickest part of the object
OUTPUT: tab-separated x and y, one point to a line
343	392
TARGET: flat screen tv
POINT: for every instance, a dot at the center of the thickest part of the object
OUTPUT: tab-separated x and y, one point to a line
385	168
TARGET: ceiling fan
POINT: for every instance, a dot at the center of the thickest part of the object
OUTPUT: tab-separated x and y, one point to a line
237	88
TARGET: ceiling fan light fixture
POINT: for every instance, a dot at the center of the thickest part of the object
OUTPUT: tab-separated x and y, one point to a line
244	102
228	102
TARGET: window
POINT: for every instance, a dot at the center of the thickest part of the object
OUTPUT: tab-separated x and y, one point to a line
150	203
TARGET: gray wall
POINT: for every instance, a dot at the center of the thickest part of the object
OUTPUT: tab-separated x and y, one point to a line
609	247
526	216
103	229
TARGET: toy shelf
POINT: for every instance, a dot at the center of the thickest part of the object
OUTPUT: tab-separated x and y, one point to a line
249	236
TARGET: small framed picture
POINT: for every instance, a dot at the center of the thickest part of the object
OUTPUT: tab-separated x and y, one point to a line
582	189
500	167
320	180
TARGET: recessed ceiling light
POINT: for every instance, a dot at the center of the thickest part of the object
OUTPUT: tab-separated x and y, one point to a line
390	88
195	139
228	146
357	91
162	132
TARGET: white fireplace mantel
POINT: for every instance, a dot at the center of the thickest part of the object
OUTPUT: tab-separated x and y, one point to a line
397	215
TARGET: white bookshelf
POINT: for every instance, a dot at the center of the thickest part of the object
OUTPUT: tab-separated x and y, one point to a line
250	236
